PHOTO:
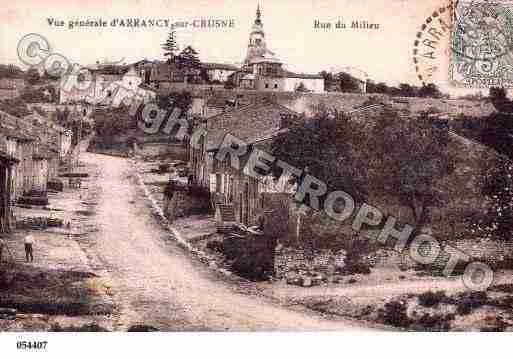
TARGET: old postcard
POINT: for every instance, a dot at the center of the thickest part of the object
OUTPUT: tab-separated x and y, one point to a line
255	166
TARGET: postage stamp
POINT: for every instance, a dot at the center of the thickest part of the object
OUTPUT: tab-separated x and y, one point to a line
481	44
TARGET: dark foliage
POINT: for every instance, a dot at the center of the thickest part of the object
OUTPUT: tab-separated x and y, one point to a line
432	299
329	146
467	302
11	72
85	328
414	169
32	76
394	313
170	47
40	94
434	322
15	107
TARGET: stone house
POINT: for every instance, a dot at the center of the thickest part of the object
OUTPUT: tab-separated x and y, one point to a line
6	179
102	87
164	75
35	152
256	125
262	70
218	72
11	87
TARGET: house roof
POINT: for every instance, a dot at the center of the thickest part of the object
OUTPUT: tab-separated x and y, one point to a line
44	152
291	74
8	83
15	127
216	66
167	72
249	123
143	62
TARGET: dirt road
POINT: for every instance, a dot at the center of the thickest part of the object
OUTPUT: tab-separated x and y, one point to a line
157	283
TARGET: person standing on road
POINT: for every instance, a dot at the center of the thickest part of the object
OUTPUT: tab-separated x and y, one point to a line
29	241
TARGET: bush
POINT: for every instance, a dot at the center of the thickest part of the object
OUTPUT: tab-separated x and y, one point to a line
34	200
215	246
142	328
434	322
505	263
394	313
229	85
470	301
506	288
432	299
85	328
356	261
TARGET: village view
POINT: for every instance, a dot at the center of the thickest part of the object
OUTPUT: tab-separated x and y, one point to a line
176	194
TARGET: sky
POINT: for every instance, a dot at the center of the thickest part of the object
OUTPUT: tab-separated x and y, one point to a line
384	54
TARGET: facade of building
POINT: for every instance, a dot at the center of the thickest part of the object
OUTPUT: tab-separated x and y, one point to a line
103	88
262	70
34	151
256	125
11	87
166	74
219	72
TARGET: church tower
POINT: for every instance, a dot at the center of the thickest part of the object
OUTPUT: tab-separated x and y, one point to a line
257	47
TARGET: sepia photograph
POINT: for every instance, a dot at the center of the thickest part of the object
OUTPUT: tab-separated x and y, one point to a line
255	167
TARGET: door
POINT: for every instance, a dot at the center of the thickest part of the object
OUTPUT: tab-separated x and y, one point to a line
246	204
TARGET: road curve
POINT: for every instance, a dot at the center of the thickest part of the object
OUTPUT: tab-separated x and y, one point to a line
157	283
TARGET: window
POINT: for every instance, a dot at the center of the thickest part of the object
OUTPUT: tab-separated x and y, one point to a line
275	86
266	86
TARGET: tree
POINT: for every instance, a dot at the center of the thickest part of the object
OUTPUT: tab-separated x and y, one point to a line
181	100
301	88
381	88
497	93
110	125
15	106
497	188
500	100
170	47
205	78
410	158
230	83
348	83
41	94
189	61
11	71
430	90
188	58
371	86
407	90
32	76
329	81
330	147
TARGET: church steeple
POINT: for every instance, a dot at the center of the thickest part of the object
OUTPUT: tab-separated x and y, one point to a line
257	47
258	21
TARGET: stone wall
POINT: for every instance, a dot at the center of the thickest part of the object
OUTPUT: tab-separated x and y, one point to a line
183	202
174	151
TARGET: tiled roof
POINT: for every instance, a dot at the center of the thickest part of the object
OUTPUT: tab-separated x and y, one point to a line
291	74
167	72
14	127
215	66
249	123
346	102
